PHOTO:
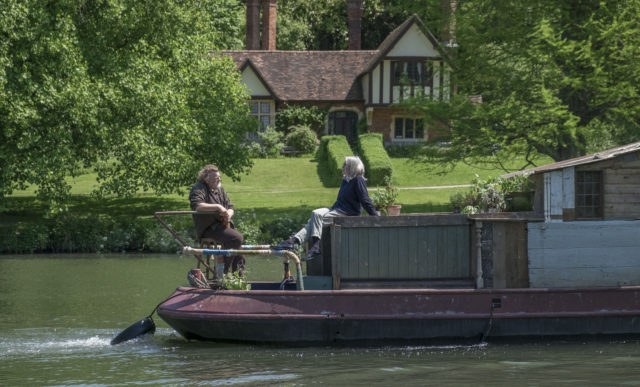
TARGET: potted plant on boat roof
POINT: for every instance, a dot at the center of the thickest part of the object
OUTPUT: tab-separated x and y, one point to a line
518	192
384	199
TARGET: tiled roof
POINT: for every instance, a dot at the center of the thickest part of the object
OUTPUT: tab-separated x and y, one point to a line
582	160
308	75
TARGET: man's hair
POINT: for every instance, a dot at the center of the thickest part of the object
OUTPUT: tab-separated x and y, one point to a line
207	170
352	167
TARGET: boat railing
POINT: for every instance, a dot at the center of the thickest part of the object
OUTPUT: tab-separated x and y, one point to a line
217	250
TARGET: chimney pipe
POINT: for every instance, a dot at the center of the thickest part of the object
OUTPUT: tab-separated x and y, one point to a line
269	24
449	23
354	16
253	25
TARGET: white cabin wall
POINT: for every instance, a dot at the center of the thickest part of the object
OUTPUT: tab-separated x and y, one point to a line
586	253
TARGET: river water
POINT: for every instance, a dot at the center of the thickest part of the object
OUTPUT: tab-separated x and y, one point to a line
59	313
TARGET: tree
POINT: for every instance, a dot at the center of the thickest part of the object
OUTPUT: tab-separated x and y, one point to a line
124	86
556	78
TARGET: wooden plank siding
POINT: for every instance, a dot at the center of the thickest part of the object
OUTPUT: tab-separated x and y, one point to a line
621	180
590	253
401	248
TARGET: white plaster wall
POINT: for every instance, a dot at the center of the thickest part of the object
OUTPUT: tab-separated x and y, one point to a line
413	43
253	83
376	84
575	254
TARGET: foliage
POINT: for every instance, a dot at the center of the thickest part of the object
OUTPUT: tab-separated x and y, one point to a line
322	25
517	183
331	155
490	193
123	85
302	139
554	77
233	281
292	116
377	164
270	142
386	196
463	199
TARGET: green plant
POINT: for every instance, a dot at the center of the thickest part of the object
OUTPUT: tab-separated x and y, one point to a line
517	183
386	196
490	193
233	281
271	142
462	199
292	116
302	138
376	161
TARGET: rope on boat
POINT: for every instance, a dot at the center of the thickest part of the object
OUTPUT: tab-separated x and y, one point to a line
197	282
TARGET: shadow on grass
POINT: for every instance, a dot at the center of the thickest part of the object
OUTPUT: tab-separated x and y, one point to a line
325	178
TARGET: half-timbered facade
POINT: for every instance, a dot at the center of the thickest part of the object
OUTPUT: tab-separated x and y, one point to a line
354	86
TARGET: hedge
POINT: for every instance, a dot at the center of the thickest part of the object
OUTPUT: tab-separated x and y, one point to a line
331	154
375	158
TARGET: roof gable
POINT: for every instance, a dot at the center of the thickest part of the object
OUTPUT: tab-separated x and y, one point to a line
253	80
411	31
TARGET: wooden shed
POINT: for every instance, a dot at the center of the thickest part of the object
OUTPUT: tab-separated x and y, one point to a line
591	230
599	186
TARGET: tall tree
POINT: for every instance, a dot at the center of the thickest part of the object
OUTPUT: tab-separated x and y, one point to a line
132	88
557	78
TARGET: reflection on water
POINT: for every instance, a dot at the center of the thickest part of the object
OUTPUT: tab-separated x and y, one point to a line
58	316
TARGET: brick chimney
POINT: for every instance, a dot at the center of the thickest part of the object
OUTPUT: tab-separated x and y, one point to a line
449	23
354	16
269	24
253	25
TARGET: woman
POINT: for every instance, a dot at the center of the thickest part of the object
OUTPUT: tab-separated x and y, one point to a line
352	198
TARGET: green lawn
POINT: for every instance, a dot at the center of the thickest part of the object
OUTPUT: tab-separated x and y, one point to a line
273	187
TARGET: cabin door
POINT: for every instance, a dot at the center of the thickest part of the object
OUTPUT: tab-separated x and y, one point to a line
344	123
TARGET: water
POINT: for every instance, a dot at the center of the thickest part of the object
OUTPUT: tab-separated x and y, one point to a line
58	315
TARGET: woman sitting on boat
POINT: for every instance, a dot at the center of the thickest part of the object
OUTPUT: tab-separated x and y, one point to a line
207	194
352	198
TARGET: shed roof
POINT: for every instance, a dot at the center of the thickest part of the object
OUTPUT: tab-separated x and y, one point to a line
582	160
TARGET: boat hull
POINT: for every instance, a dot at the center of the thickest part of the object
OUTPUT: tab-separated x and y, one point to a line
377	315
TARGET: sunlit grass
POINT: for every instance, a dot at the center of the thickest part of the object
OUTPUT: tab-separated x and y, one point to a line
273	188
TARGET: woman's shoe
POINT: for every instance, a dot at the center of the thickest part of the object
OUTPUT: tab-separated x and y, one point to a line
287	244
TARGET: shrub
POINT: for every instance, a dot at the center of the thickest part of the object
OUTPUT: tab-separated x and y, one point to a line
271	142
376	161
292	116
302	139
331	155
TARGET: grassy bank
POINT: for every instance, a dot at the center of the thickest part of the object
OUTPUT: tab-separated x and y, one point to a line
279	192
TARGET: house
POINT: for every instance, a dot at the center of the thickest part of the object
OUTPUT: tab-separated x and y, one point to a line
356	87
590	235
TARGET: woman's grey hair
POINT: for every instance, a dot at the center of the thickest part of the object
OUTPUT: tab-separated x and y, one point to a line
352	167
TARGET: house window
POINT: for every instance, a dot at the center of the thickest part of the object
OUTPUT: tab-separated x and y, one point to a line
411	72
405	128
589	203
263	111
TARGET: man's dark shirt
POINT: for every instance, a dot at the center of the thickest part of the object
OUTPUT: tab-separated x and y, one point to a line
200	193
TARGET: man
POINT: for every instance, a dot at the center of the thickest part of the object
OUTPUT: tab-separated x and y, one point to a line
207	194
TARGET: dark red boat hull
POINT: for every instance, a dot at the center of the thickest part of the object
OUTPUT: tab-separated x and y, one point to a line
376	315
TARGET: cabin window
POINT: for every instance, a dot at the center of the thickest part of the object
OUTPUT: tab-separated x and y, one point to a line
264	112
406	128
589	203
